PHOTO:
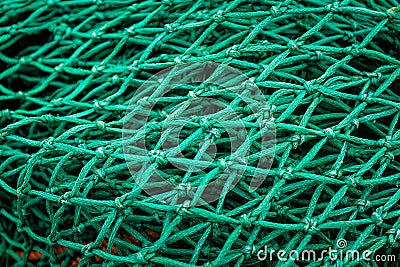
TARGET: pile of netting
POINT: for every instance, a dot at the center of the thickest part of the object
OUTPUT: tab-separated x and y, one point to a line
329	72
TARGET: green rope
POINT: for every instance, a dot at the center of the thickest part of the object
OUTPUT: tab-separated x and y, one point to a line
69	69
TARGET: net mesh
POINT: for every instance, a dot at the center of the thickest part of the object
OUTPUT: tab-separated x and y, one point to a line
329	70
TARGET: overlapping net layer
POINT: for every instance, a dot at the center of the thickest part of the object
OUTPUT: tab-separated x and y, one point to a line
329	71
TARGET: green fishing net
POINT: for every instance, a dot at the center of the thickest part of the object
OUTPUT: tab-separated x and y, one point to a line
329	73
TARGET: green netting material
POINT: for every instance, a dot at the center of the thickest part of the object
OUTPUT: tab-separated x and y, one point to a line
330	72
